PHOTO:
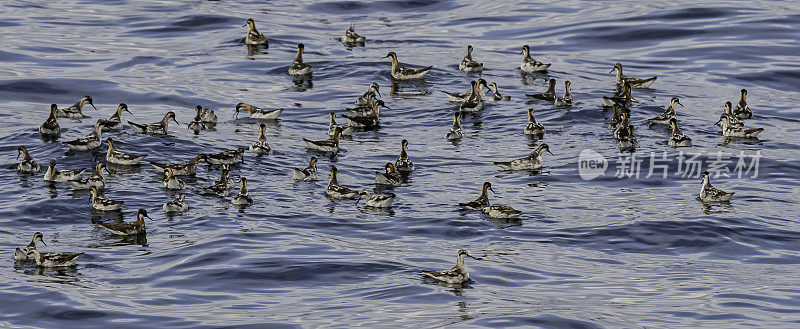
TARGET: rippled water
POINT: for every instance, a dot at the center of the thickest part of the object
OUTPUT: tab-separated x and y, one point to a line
602	253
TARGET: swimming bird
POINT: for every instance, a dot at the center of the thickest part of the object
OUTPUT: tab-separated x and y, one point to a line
28	164
243	198
635	83
114	123
456	275
390	177
533	127
158	128
678	139
121	158
730	130
403	164
24	254
96	180
133	228
742	111
261	146
51	126
468	64
732	121
366	111
88	142
298	67
549	95
402	73
307	173
188	168
368	98
75	111
709	193
616	118
623	99
626	138
668	114
455	132
460	97
254	38
370	121
474	103
529	64
258	113
346	130
501	211
54	259
197	123
531	162
350	35
207	115
102	203
176	205
328	145
567	99
338	191
227	157
171	182
481	201
55	175
377	200
496	96
219	187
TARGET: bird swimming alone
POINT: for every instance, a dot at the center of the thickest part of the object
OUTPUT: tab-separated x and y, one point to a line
531	162
188	168
533	127
114	123
402	73
243	198
351	37
567	99
126	229
176	205
158	128
261	146
103	203
254	38
55	259
634	82
121	158
298	67
258	113
549	95
336	190
50	126
468	64
457	275
75	111
709	193
328	145
455	132
481	201
54	175
88	142
529	64
28	165
668	114
501	211
678	139
307	173
403	164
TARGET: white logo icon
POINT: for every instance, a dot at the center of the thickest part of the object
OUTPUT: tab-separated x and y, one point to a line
591	164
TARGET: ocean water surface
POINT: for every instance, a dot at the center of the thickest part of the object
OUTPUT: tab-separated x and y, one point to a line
607	252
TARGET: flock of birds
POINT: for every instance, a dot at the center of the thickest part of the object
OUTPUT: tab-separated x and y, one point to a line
365	116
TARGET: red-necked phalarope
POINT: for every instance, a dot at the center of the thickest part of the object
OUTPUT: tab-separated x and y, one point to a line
616	118
455	132
402	73
368	98
549	95
669	113
298	67
678	139
475	102
501	211
377	200
481	201
337	191
350	35
733	120
24	254
460	97
243	198
207	115
567	99
328	145
529	64
709	193
133	228
346	130
390	177
51	126
102	203
626	138
456	275
197	123
468	64
403	163
254	38
171	182
730	130
188	168
533	127
221	186
366	121
114	123
366	111
96	180
28	164
307	173
74	111
496	96
227	157
531	162
622	99
258	113
54	259
158	128
122	158
55	175
88	142
635	83
176	205
742	111
261	146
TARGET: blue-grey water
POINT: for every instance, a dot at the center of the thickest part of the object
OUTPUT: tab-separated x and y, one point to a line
607	252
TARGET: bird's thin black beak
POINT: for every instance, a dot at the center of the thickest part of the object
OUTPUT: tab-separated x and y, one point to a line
551	153
679	103
612	70
93	106
379	92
